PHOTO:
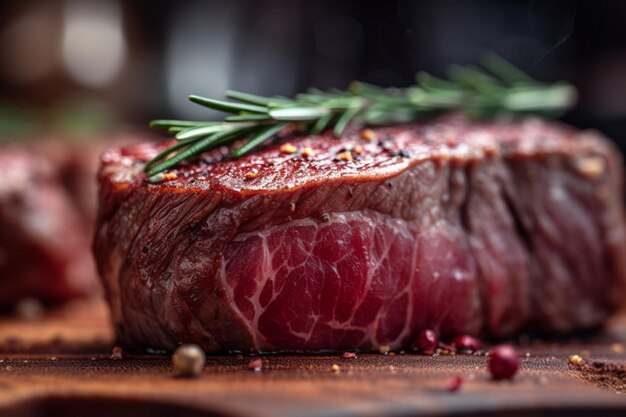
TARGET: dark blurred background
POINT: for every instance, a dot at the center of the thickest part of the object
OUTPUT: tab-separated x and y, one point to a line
75	67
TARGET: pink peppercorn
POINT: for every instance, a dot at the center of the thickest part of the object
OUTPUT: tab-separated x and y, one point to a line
427	342
503	362
255	365
466	343
349	355
117	353
455	383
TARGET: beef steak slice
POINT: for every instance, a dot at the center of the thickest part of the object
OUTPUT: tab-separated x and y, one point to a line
44	248
482	228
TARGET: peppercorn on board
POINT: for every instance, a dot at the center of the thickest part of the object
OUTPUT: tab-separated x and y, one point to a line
62	364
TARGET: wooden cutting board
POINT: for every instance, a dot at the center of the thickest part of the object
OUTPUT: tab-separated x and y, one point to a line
61	364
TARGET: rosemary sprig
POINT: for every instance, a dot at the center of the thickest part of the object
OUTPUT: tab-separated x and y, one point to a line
496	89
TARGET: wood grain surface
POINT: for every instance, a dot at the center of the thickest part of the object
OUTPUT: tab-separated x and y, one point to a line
61	364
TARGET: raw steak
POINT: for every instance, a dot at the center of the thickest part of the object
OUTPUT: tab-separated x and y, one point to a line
44	245
490	229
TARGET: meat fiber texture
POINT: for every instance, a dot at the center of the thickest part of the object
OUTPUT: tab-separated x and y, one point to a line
44	246
490	229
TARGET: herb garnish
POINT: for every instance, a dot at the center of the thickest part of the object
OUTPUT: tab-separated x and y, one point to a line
496	89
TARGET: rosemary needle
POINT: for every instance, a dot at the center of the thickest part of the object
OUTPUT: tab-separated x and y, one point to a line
497	88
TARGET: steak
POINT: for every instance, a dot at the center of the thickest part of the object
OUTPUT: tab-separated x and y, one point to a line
481	228
44	247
